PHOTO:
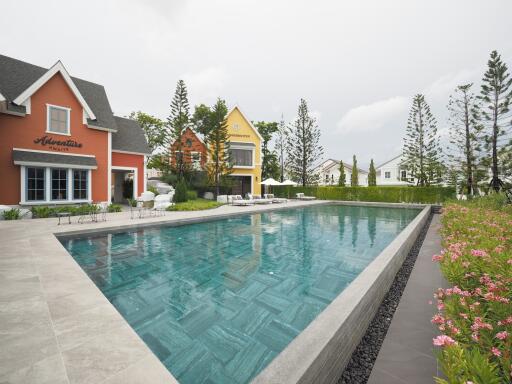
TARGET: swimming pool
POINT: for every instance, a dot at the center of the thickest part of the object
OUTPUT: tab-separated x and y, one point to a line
217	301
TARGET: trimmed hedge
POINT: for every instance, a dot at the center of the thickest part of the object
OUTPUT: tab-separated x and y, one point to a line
426	195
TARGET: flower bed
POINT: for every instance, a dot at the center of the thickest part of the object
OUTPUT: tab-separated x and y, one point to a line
475	314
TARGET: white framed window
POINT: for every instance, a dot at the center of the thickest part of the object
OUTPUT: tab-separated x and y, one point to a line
59	184
58	120
403	174
196	160
80	184
241	157
35	184
387	175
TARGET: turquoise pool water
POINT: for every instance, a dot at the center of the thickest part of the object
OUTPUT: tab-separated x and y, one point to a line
217	301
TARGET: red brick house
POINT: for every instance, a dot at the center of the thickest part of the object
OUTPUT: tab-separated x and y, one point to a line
61	143
193	149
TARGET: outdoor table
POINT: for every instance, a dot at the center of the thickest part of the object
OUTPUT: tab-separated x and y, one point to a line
64	214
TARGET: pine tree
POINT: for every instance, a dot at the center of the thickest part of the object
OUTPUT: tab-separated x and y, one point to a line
303	147
217	142
266	130
354	177
496	95
421	145
465	138
177	122
280	147
372	175
342	179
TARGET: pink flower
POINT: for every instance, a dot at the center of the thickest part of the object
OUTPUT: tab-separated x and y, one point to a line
463	315
466	264
495	351
509	261
479	253
437	257
502	335
437	319
443	340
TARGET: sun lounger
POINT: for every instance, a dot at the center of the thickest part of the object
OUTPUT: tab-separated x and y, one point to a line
301	196
274	199
238	200
258	200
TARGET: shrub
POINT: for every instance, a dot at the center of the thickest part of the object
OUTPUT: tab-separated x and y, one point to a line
191	195
180	195
409	194
132	202
194	205
475	314
114	208
41	212
12	214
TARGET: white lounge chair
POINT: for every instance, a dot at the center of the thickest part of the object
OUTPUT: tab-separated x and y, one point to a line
238	200
162	202
274	199
301	196
258	200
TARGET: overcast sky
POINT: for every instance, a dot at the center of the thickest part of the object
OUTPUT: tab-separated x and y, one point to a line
357	63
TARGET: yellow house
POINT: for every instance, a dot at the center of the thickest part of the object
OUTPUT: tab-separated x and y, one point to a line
245	150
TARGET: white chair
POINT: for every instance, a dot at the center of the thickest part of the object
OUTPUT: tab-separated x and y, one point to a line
301	196
162	202
274	199
258	200
238	200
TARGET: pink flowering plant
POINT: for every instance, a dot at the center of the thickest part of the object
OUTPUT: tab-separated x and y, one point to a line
475	314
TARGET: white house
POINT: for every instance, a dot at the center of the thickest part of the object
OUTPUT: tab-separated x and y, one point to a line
329	173
392	172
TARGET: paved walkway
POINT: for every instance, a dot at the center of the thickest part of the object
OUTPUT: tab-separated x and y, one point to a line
406	356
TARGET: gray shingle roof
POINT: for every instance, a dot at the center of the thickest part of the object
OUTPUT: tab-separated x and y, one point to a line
129	136
52	158
17	75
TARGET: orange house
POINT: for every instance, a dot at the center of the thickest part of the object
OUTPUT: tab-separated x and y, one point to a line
61	143
193	150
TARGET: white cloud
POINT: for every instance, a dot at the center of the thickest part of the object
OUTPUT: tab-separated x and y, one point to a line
206	85
445	85
371	117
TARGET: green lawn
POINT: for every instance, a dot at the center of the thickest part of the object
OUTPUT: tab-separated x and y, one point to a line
194	205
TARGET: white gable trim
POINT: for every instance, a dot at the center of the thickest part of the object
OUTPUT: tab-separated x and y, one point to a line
58	67
389	161
248	121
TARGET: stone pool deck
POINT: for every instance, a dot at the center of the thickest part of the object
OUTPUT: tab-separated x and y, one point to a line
407	354
55	324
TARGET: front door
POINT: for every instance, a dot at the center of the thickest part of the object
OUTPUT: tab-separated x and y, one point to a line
241	185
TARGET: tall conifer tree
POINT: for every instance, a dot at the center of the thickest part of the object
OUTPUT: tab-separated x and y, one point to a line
421	145
217	142
280	147
342	179
354	177
177	122
496	95
372	175
465	138
303	147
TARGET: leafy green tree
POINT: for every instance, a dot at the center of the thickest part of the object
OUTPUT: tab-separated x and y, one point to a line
303	147
342	179
273	166
280	148
202	119
155	132
217	141
354	177
266	130
465	138
177	122
421	144
372	175
496	95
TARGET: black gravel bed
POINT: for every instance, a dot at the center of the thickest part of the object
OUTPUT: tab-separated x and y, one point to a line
363	358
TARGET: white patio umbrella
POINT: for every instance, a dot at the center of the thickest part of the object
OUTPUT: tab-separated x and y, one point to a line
270	181
289	182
